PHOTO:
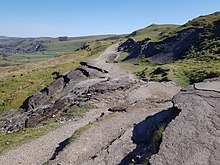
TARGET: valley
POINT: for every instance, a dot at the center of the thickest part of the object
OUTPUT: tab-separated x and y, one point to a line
17	50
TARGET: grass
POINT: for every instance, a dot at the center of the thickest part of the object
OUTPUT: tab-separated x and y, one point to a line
153	31
156	140
122	56
72	43
152	99
183	72
11	140
190	71
203	20
79	132
39	56
19	82
132	66
78	111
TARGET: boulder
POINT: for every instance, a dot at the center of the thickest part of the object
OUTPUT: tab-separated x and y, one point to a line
34	101
117	109
56	86
193	137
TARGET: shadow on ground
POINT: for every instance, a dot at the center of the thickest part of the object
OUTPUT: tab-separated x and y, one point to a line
60	148
147	135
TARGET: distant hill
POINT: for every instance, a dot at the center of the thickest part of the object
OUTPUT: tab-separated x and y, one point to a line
9	39
24	49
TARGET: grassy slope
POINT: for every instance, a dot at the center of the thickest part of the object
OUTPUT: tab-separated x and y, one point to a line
201	61
153	31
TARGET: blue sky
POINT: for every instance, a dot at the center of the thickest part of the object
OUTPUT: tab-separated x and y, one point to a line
87	17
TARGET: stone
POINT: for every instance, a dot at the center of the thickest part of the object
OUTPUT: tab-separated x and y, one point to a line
164	51
34	101
193	137
117	109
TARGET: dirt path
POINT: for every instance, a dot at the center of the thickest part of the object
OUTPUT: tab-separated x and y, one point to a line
40	150
107	142
109	138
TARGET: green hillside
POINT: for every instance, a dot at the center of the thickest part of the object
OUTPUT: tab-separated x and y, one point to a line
208	46
25	49
200	60
153	31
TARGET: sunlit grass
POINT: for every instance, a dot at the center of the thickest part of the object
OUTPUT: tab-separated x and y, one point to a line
11	140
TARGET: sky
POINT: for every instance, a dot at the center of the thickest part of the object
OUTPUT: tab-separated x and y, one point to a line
53	18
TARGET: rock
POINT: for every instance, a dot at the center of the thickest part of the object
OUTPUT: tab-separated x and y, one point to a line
127	46
193	137
73	76
93	67
164	51
15	124
23	47
209	84
39	115
56	86
159	70
133	48
164	79
56	74
34	101
63	38
117	109
143	136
